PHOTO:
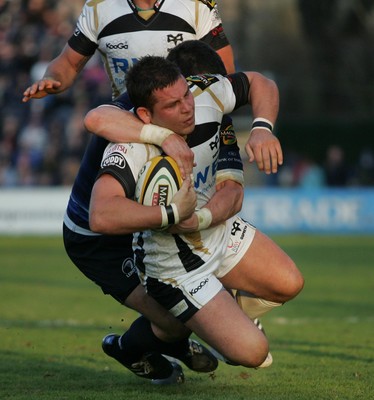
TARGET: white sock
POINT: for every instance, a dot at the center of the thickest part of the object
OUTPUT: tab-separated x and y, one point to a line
254	307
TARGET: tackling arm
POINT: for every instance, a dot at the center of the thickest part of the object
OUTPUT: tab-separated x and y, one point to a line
118	125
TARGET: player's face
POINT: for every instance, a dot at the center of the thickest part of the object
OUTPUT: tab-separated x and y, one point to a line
175	108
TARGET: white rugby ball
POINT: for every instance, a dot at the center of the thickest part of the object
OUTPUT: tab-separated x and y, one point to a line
158	181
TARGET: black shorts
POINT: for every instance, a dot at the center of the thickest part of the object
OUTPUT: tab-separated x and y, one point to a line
106	260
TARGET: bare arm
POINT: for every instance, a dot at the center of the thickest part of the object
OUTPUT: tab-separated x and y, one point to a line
225	203
59	76
112	213
227	55
117	125
262	146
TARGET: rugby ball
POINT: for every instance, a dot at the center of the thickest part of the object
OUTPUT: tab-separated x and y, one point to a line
158	181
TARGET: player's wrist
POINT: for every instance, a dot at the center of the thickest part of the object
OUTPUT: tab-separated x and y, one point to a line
262	123
169	215
154	134
204	218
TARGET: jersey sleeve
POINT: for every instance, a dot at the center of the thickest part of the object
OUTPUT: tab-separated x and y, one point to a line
85	37
209	25
230	165
114	163
240	85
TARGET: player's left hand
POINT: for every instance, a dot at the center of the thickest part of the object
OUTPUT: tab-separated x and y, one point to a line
264	148
176	147
189	225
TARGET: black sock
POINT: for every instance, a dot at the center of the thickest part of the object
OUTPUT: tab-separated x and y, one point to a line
140	339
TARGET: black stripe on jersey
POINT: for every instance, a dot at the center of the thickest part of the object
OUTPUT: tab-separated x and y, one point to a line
81	44
160	22
202	133
140	253
123	176
189	260
216	38
240	85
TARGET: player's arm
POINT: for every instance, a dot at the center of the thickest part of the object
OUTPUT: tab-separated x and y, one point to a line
59	76
262	94
118	125
227	55
112	213
225	203
228	198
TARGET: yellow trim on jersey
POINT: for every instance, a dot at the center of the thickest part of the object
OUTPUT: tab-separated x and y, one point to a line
194	238
146	14
94	4
196	13
216	99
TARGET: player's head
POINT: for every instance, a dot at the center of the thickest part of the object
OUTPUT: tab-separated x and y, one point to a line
195	57
161	95
149	74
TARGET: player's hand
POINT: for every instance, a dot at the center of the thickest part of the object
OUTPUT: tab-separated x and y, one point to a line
264	148
185	199
176	147
189	225
41	88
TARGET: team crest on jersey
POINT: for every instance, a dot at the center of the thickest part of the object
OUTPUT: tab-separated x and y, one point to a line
209	3
178	38
228	135
202	81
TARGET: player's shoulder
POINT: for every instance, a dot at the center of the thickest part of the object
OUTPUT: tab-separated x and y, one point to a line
203	81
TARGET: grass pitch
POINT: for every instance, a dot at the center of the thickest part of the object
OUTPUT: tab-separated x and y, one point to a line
52	320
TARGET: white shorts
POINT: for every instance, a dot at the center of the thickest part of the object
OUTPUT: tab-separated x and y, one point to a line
184	295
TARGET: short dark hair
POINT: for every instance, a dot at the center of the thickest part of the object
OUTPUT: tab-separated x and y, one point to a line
195	57
150	73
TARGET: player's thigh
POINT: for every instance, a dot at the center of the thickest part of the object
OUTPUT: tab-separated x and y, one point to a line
223	325
266	271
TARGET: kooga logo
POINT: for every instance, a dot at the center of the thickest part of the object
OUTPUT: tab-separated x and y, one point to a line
196	289
117	46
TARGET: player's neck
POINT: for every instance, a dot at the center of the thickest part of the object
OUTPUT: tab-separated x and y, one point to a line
143	5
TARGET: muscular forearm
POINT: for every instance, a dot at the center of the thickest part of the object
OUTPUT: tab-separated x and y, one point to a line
263	97
226	202
114	124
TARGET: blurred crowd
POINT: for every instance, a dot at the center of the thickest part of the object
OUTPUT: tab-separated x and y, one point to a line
42	141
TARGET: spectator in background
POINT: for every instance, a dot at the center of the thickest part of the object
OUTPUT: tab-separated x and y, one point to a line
337	172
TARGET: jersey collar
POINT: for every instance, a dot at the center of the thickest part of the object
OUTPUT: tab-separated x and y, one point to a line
156	6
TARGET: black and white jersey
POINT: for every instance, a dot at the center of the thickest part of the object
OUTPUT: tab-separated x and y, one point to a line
121	35
161	255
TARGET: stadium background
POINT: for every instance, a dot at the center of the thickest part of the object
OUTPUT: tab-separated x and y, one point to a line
320	54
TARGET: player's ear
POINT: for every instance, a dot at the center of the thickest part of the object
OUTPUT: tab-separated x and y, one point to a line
144	114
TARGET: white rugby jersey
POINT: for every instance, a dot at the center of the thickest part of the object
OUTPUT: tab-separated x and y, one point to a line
164	256
116	30
159	254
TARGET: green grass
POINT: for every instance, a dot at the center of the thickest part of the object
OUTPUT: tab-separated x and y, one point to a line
52	320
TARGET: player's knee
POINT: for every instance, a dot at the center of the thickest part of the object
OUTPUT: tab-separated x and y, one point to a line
295	283
252	353
255	355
